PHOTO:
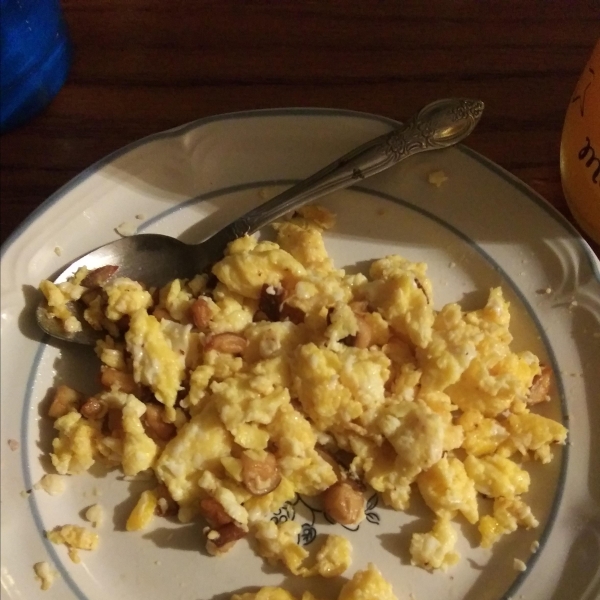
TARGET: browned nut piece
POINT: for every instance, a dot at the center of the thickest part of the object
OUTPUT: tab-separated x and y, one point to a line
201	313
65	400
214	513
220	540
229	343
155	425
120	380
344	503
292	313
161	313
260	476
359	306
349	340
288	284
123	323
259	316
98	277
339	459
93	408
364	334
541	386
165	506
115	422
270	300
88	297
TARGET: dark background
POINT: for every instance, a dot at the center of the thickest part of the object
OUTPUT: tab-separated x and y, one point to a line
141	66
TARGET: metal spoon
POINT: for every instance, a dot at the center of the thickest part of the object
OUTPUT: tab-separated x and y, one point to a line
156	259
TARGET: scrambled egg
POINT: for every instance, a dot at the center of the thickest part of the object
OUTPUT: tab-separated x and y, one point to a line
45	575
75	538
241	393
75	446
435	550
367	584
278	543
157	349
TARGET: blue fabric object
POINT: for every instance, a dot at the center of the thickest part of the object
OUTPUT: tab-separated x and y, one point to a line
35	55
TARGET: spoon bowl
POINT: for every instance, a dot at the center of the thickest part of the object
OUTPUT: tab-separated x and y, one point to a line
155	259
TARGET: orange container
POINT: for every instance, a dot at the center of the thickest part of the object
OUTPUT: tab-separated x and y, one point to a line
580	149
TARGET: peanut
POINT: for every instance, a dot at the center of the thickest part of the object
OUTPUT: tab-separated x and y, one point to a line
260	476
156	427
201	313
115	422
161	313
292	313
359	306
364	333
98	277
120	380
220	540
93	408
166	506
88	297
64	401
541	386
269	301
344	503
214	513
228	343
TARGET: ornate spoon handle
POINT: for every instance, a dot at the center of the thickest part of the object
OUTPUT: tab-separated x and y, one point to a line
438	125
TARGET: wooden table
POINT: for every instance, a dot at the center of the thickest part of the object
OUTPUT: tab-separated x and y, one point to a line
142	66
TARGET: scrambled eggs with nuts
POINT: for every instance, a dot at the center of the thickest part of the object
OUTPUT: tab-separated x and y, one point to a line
279	374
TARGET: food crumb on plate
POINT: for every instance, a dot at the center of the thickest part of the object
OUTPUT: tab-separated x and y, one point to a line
519	565
25	493
45	574
267	192
74	555
74	537
58	251
140	216
13	444
95	515
535	546
437	178
364	585
126	229
52	484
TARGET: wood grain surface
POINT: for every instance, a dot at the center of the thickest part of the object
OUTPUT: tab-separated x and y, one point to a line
142	66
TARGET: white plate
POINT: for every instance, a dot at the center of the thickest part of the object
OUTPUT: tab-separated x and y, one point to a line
482	227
